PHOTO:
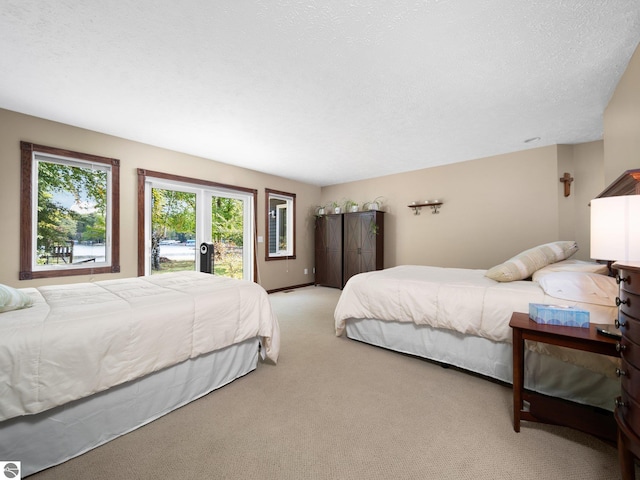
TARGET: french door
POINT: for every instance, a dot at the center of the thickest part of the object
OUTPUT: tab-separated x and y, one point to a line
179	216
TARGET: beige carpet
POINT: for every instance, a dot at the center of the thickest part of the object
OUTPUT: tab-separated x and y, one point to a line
334	408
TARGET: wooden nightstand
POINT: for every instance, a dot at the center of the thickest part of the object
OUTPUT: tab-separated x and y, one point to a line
542	408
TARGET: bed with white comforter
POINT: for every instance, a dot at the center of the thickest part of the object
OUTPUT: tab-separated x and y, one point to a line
79	342
461	317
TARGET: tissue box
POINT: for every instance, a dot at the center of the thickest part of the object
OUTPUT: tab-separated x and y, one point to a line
559	315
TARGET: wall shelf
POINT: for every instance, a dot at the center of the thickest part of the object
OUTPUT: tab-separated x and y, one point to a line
418	206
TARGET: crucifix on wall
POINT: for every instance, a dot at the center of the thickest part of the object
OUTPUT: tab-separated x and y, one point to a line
567	179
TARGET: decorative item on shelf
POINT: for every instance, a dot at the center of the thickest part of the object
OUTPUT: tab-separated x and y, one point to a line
375	204
321	210
350	206
417	206
336	207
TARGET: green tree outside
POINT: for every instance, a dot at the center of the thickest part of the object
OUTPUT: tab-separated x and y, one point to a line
59	225
173	216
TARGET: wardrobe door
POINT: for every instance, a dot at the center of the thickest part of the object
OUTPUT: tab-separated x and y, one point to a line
363	242
328	251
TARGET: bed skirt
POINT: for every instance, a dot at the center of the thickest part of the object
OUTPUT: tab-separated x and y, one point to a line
49	438
543	373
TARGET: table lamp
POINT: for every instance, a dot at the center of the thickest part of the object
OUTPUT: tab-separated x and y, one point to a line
615	229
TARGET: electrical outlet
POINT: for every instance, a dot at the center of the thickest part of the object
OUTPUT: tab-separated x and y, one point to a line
306	271
314	270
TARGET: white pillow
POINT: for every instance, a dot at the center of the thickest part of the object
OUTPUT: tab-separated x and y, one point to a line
525	263
12	299
571	265
582	287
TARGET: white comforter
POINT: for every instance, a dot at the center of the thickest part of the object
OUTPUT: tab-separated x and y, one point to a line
457	299
79	339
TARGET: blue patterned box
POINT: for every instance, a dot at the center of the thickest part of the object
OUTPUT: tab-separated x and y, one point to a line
559	315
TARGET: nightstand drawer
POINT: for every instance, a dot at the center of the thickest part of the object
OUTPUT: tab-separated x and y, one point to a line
630	410
629	327
630	352
630	304
629	378
632	283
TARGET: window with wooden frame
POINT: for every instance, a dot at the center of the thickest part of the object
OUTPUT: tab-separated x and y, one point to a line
176	214
69	213
280	222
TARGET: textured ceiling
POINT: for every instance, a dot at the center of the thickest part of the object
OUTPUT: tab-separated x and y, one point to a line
321	91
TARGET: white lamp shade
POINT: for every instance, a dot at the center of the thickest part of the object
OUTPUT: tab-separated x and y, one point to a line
615	228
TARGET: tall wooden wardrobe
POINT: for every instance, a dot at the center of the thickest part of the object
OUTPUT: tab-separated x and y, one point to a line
348	244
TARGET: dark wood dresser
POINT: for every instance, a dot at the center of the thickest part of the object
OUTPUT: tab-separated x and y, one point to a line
627	411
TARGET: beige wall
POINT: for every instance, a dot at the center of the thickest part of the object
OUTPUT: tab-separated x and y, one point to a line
622	123
588	174
566	205
15	127
493	208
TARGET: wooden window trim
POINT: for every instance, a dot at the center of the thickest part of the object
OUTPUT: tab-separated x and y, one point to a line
267	192
142	179
26	210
